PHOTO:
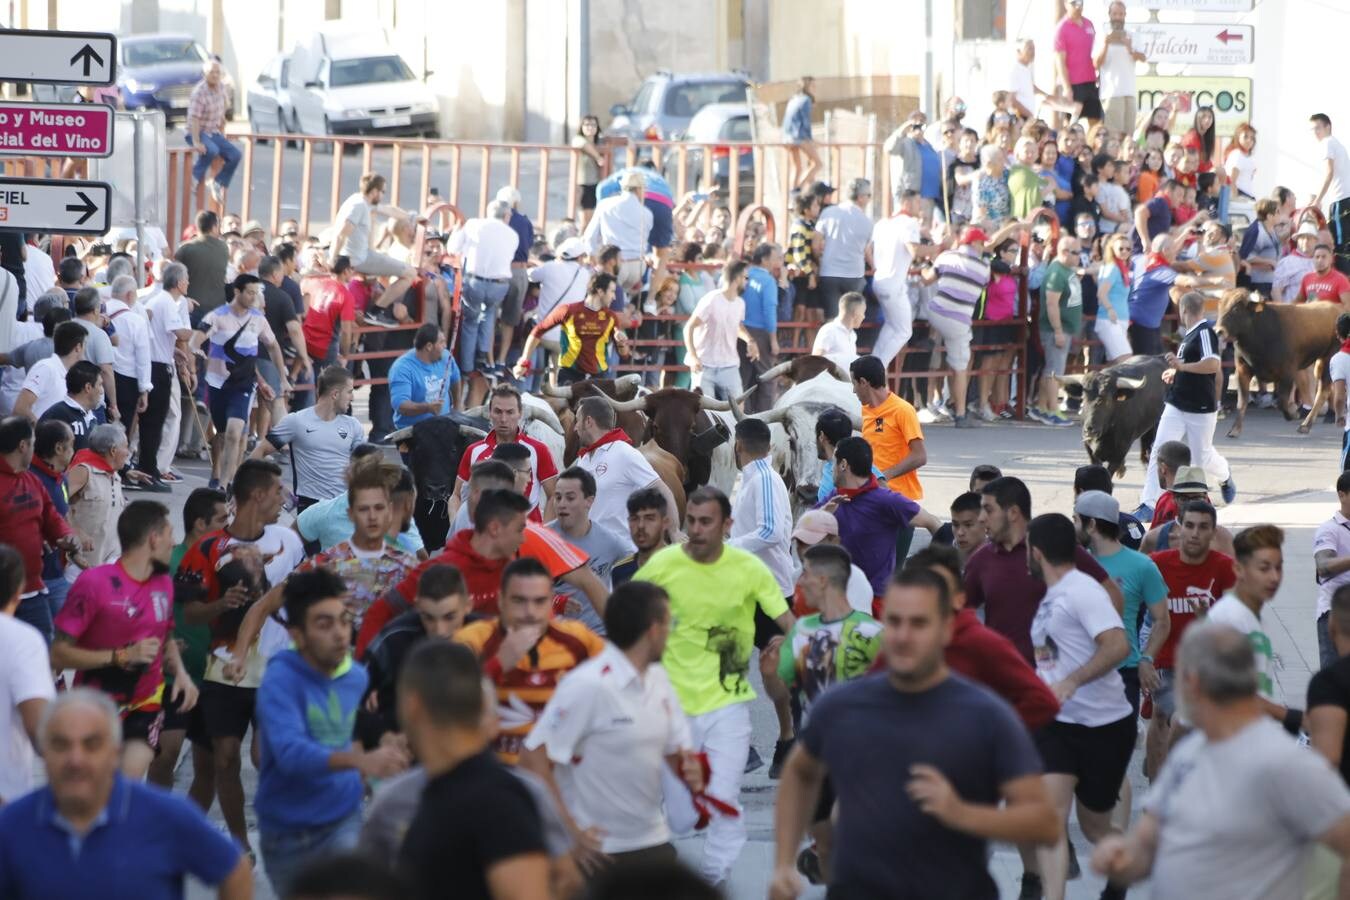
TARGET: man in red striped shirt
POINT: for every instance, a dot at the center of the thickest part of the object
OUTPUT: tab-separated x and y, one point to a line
504	412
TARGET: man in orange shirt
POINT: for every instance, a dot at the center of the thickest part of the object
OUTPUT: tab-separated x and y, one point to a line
891	427
525	651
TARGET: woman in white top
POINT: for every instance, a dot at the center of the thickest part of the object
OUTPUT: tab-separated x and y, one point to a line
1240	163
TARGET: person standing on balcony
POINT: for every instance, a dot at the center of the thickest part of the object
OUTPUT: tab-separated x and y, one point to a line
353	239
625	222
520	282
206	131
487	246
797	133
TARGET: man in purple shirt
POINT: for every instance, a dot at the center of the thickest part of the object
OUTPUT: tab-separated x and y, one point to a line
869	515
997	575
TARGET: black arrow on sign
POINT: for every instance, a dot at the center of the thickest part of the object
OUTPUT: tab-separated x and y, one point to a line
86	54
89	207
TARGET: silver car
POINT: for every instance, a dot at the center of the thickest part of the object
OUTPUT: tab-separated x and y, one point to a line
665	103
717	122
269	101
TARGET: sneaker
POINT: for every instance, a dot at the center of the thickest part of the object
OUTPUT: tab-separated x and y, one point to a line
1143	512
780	755
1265	401
213	484
753	761
1329	417
170	477
966	421
379	317
217	192
1229	491
926	417
155	486
808	863
1035	414
1058	420
937	409
985	414
1005	412
1031	887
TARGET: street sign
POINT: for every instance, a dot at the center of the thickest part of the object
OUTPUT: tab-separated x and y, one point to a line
58	57
50	205
1225	6
1209	45
56	129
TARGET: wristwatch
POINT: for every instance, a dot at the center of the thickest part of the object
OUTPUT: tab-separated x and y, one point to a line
1144	657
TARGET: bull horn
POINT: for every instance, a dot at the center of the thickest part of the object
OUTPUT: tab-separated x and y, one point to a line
771	416
771	374
713	404
737	403
466	430
637	404
479	411
1133	384
403	434
545	414
839	374
1070	379
550	390
631	380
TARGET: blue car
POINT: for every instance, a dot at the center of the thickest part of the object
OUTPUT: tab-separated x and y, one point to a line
159	71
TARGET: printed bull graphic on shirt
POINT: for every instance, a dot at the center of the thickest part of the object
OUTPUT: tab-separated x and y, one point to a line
731	663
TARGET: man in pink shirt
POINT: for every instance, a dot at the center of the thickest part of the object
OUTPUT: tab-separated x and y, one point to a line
710	335
1073	60
115	632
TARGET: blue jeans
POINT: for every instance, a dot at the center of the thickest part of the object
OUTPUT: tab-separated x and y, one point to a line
216	145
36	611
286	853
482	301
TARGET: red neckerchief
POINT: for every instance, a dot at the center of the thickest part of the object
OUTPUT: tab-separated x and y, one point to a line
707	804
1155	261
1345	348
39	464
613	436
92	460
1124	267
850	493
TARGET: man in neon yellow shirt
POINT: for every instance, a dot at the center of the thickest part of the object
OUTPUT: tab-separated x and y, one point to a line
714	591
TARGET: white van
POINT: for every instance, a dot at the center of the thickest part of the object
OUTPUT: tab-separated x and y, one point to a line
348	82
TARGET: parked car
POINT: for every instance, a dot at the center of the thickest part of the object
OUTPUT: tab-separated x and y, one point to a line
159	71
717	122
665	103
268	101
350	82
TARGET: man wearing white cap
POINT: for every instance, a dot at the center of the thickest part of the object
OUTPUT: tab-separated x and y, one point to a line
561	280
626	223
816	526
515	294
1295	265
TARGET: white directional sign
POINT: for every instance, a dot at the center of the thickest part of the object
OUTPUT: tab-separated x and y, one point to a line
1210	45
50	205
58	57
1201	5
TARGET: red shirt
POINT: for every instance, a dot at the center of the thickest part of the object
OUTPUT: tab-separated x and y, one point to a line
1328	287
1190	591
330	303
988	658
586	332
541	461
1193	140
1165	510
27	518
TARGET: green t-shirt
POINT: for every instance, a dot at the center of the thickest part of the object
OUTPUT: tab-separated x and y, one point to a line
712	608
817	653
1064	281
1024	184
196	638
1141	584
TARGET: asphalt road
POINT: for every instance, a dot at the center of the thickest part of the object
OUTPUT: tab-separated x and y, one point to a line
1282	478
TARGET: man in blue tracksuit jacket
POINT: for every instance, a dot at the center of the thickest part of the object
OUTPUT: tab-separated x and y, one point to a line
309	787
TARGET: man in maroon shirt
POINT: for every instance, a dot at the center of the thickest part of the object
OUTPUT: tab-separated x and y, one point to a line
997	577
28	518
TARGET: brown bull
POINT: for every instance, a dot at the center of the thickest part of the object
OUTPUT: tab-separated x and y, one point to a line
1274	342
674	417
634	424
670	470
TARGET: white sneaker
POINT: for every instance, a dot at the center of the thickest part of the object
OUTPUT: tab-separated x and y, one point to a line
938	410
926	417
985	414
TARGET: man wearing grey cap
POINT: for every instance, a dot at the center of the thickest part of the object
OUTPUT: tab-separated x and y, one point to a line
847	230
1097	517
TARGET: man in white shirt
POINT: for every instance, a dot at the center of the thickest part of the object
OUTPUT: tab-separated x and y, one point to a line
1335	187
169	330
1331	557
1340	387
847	230
1022	82
614	736
710	335
625	222
1115	59
837	339
896	242
354	220
38	270
25	684
618	467
561	280
486	246
131	353
46	381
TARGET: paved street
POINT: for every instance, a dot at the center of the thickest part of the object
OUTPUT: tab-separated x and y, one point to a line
1295	493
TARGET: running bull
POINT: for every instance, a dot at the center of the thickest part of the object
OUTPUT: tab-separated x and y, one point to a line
1122	404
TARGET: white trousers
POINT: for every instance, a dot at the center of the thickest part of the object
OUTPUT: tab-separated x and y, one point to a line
1197	431
723	734
899	324
168	447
